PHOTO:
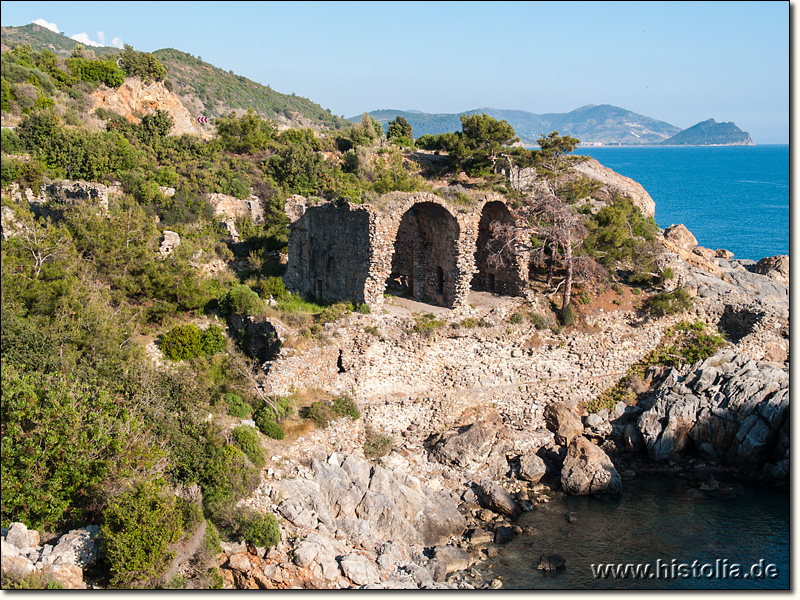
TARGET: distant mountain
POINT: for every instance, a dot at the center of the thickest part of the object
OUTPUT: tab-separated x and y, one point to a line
203	88
592	124
711	133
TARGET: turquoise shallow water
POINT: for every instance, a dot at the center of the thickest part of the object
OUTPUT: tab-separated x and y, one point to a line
657	517
732	197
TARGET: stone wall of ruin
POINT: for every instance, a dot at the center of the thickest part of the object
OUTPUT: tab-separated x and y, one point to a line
329	250
416	242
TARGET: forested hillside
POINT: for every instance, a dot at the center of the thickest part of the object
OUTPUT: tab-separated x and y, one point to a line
603	124
205	89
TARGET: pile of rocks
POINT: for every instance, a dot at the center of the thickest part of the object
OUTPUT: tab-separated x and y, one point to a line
63	562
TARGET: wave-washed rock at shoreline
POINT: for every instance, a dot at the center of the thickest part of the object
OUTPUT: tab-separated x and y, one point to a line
729	410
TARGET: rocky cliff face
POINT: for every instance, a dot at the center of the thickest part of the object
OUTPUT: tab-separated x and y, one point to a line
614	183
134	97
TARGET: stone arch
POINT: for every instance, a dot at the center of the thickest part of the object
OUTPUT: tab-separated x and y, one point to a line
488	276
425	254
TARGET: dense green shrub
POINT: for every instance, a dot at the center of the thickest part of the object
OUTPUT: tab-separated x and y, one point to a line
236	406
214	340
259	530
275	288
62	440
272	430
141	64
333	312
139	526
248	441
11	143
241	300
182	342
227	476
346	407
320	413
266	413
97	71
668	303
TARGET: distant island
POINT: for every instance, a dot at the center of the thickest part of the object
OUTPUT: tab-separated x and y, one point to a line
711	133
594	125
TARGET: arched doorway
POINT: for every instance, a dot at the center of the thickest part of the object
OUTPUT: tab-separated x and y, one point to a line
425	253
493	261
330	277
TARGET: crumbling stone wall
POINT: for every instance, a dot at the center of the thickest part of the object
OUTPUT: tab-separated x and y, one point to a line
55	196
329	249
506	275
412	242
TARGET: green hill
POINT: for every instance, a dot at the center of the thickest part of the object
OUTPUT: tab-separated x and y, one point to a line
711	133
219	92
203	88
38	38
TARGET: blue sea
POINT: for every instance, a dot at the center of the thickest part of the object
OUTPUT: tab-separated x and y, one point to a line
658	519
732	197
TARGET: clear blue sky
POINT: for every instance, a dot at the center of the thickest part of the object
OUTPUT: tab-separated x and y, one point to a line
680	62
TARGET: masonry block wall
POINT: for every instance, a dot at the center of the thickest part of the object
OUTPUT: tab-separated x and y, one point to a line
412	243
329	250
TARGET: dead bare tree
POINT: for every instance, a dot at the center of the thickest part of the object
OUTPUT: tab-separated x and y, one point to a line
252	372
561	230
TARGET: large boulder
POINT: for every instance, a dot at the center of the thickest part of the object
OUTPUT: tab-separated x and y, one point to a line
588	470
774	267
531	467
478	446
359	569
680	237
78	547
494	496
20	536
169	241
69	576
563	422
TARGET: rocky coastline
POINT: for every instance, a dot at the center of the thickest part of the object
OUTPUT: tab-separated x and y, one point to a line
488	424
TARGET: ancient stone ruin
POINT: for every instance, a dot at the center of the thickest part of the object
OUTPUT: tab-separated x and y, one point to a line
405	243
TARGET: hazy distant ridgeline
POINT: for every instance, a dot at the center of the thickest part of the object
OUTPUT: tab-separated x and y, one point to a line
603	124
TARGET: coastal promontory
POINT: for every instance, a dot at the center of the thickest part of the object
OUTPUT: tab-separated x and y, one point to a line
711	133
